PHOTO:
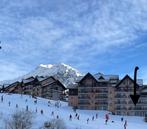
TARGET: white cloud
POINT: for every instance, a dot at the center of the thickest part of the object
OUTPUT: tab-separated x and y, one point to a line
69	31
10	70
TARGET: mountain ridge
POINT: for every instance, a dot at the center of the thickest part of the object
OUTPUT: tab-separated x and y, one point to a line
63	72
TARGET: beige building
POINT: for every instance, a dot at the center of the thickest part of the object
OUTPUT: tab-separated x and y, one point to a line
123	103
91	92
107	92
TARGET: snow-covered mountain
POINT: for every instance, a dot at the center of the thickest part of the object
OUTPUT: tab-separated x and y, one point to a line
65	73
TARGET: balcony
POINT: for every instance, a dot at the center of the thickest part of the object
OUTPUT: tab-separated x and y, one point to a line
121	102
121	108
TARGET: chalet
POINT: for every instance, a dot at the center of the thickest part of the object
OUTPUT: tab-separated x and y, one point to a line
52	88
46	87
13	88
31	86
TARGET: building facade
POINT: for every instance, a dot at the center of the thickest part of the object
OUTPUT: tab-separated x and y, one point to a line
107	92
91	92
52	89
46	87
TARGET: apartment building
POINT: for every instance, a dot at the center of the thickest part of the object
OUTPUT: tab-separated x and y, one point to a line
107	92
123	103
91	92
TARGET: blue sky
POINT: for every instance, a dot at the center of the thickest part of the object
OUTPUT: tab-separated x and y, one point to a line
90	35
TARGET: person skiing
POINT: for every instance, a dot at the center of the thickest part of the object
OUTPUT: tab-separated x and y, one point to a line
9	103
27	108
96	116
122	119
87	120
70	117
106	118
93	118
125	124
49	103
16	105
78	117
52	113
41	112
35	101
2	98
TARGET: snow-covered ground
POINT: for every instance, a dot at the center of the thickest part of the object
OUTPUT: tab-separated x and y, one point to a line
63	112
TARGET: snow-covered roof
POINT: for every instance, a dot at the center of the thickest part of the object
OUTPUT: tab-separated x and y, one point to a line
41	78
27	80
106	77
72	86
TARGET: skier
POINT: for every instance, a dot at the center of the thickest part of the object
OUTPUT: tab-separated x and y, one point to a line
106	118
16	105
49	103
96	115
9	103
122	119
87	120
52	113
57	117
41	112
70	117
2	98
125	124
27	108
35	101
78	117
93	118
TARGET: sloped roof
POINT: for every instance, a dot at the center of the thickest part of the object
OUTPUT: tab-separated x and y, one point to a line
41	78
90	75
72	86
61	84
106	77
45	78
12	86
127	76
27	80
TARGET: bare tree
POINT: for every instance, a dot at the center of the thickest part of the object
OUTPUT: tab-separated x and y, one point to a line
19	120
54	124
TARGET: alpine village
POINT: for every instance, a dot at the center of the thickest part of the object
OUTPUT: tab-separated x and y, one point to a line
89	92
